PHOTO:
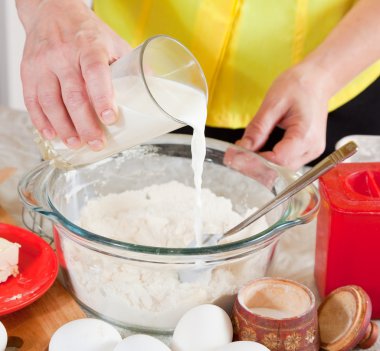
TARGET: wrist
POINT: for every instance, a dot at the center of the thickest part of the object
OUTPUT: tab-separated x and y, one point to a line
26	10
316	79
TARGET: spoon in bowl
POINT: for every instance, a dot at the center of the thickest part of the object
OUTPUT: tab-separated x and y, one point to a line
302	182
202	272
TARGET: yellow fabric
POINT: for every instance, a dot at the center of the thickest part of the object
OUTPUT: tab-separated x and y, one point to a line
242	45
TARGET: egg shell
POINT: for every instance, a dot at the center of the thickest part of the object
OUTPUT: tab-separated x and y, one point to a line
202	328
243	346
85	334
141	342
3	337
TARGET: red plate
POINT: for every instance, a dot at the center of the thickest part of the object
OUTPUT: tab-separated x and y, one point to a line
38	267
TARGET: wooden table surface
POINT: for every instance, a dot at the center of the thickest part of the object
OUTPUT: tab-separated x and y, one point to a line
31	328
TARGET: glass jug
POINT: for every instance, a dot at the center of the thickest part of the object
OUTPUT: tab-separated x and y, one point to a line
159	87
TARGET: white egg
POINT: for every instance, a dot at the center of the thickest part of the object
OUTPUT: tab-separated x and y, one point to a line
141	342
3	337
243	346
85	334
202	328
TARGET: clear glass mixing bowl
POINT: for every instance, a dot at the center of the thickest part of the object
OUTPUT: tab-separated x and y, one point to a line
139	286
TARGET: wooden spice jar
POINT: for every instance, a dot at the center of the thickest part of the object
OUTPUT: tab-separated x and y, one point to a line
281	314
278	313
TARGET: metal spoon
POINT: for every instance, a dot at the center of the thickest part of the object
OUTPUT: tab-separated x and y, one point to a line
202	272
313	174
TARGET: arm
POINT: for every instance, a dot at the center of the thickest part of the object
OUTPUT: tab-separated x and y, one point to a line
297	100
65	70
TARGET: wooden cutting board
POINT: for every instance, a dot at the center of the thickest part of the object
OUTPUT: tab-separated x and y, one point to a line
31	328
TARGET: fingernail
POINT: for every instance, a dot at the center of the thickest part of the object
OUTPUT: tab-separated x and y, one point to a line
96	144
108	116
246	142
228	161
48	134
238	162
73	142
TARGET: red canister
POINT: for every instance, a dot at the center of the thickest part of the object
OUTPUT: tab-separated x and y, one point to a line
348	230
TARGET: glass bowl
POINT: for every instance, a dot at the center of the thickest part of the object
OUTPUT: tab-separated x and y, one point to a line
137	286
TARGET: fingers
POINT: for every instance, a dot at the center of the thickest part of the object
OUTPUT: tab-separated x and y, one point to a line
66	75
37	116
97	76
78	106
300	112
249	164
300	144
258	131
50	101
287	154
59	104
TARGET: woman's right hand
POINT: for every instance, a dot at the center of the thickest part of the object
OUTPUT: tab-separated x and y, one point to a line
65	70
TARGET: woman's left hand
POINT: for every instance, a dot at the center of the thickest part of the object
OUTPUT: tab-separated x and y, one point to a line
295	102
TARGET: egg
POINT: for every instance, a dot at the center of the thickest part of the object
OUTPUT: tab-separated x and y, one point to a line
141	342
243	346
3	337
202	328
85	334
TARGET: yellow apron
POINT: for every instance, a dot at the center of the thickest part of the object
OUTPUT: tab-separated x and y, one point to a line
242	45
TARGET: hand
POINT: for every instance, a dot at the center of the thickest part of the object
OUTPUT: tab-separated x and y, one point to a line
65	70
295	102
250	165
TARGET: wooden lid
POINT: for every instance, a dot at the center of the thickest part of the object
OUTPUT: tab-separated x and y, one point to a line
344	320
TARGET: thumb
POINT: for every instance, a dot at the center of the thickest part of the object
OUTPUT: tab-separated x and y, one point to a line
261	126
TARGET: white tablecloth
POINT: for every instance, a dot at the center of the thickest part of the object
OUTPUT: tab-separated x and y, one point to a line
294	258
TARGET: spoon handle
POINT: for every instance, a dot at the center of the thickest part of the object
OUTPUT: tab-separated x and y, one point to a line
314	173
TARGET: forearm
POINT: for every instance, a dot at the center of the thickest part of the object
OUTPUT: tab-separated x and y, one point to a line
350	48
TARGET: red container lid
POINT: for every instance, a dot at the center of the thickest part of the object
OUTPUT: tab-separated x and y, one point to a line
353	187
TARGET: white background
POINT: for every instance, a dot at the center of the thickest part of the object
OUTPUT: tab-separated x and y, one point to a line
12	39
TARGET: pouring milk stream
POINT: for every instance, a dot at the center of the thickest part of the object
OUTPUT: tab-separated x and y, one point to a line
189	105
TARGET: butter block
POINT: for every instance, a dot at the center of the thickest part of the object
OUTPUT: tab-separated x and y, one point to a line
9	254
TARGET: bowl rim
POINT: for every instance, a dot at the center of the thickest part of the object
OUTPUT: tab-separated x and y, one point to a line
251	243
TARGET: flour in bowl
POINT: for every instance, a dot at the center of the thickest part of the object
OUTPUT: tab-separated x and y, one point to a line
158	215
135	289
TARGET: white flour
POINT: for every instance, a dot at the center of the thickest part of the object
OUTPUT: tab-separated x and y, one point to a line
151	295
158	215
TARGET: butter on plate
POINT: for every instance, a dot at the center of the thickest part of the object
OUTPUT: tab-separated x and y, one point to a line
9	253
